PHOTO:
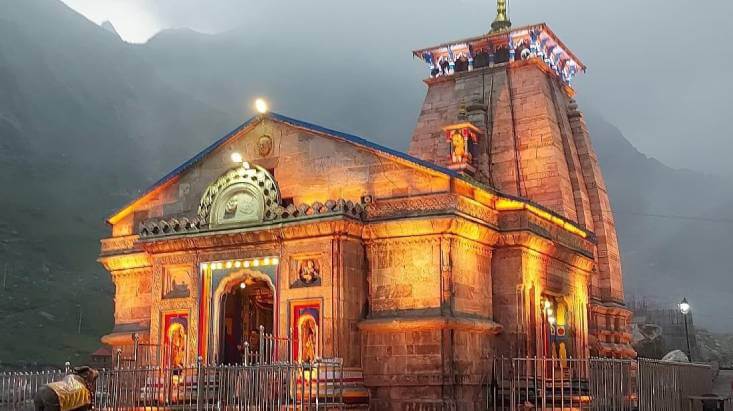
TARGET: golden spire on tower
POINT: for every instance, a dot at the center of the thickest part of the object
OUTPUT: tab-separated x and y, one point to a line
501	22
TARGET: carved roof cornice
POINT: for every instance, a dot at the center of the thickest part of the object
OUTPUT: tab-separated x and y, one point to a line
407	229
440	213
117	245
125	261
542	245
513	223
428	205
172	227
130	272
260	236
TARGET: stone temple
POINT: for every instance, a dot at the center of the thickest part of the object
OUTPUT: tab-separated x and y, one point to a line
493	236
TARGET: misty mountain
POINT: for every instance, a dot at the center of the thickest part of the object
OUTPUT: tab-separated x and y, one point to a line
673	228
107	25
87	121
81	125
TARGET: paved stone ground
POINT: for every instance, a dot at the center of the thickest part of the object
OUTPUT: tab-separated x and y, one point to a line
722	386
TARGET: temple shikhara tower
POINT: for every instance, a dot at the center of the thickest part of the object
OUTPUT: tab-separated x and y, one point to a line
493	237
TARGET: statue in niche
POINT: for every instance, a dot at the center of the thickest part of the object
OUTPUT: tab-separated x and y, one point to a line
177	338
458	136
309	273
308	338
458	142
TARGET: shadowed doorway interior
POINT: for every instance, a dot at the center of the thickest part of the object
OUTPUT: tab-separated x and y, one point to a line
247	305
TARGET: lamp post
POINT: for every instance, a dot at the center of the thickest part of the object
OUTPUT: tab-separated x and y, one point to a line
685	309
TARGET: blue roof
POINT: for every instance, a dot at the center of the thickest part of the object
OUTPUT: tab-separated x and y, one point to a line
359	141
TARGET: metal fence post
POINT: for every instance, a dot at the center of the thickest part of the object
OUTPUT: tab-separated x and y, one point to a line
246	353
290	345
260	353
135	343
199	381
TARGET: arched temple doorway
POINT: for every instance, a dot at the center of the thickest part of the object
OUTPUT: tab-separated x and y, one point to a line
245	303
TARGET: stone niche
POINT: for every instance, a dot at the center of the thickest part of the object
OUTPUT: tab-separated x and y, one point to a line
177	282
306	270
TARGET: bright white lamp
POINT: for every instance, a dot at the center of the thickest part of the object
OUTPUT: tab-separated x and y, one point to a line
684	307
261	106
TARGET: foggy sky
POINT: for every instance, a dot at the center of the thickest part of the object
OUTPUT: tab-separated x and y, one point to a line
657	69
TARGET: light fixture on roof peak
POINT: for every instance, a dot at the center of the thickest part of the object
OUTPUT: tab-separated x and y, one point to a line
261	106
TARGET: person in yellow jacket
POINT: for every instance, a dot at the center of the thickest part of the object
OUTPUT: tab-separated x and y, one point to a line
74	392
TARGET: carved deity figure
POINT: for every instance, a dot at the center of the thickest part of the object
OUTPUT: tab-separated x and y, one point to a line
308	272
177	346
264	145
458	147
308	340
240	207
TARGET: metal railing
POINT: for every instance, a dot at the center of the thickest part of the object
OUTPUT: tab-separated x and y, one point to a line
269	386
18	388
137	355
215	387
268	350
594	384
267	378
266	382
667	386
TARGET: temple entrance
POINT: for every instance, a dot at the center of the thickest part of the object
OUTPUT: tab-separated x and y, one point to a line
245	306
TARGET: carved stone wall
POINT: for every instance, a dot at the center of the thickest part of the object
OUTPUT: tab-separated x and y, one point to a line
430	327
403	366
351	298
521	278
404	274
133	295
471	273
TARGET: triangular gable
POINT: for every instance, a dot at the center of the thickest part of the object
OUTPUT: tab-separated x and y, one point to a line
171	177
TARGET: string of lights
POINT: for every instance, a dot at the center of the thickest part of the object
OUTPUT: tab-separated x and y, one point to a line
256	262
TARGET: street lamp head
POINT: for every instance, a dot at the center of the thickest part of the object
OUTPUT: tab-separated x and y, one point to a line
684	307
